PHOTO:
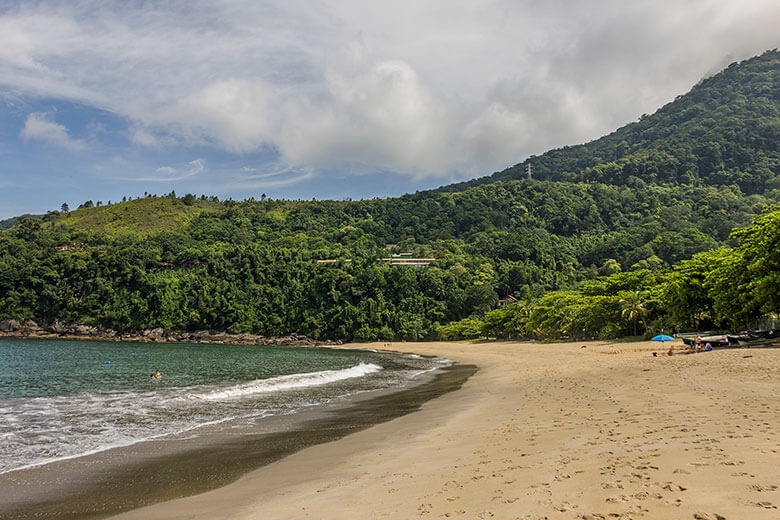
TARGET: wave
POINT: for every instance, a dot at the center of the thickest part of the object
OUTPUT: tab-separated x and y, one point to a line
289	382
108	444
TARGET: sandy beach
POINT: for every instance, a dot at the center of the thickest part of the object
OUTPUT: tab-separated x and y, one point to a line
559	431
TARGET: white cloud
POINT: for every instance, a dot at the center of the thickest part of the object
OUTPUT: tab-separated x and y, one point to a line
435	88
142	137
39	127
269	176
174	173
234	113
382	119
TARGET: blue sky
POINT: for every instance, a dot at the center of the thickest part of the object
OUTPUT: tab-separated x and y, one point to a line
347	99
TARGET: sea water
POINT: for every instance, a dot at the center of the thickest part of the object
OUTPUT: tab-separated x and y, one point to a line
61	399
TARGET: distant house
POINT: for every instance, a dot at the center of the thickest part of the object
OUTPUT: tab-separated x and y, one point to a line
405	259
72	247
506	301
334	260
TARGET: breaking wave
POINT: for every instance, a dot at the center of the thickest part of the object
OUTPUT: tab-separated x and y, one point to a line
289	382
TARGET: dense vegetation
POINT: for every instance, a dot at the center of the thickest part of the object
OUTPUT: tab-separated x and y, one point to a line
190	264
722	288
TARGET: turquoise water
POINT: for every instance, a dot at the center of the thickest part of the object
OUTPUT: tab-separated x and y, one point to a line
62	399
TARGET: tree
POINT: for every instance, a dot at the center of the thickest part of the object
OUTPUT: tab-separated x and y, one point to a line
65	208
633	308
611	266
760	246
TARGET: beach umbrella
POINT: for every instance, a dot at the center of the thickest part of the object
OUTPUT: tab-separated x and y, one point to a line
662	338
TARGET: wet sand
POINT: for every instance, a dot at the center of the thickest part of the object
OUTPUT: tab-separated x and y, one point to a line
122	479
569	431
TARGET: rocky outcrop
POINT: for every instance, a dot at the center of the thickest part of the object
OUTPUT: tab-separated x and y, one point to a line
31	326
9	326
57	329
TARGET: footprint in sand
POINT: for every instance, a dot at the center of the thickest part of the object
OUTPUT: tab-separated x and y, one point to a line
708	516
676	502
759	487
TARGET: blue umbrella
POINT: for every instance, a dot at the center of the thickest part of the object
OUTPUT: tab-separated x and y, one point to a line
662	337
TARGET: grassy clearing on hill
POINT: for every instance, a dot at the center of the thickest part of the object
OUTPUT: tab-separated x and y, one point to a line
137	218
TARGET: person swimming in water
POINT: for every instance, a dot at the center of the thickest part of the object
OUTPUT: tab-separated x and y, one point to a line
158	375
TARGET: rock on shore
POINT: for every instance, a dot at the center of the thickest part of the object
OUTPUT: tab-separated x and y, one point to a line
30	329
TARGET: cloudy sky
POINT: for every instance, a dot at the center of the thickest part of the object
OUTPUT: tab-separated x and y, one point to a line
332	99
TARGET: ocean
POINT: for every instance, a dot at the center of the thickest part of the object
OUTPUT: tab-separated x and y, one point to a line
66	399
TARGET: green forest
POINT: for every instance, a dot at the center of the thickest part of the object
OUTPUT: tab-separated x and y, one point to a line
669	222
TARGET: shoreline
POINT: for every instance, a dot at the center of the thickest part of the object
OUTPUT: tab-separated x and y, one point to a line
31	330
583	431
125	478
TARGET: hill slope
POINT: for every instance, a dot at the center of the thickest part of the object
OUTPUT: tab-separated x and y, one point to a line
725	131
137	218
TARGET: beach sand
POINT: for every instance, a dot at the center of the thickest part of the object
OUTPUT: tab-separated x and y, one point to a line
559	431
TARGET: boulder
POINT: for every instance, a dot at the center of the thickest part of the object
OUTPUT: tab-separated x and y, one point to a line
9	326
84	330
58	328
30	325
154	333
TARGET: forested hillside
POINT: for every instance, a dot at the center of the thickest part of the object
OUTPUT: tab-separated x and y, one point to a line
724	132
723	288
641	200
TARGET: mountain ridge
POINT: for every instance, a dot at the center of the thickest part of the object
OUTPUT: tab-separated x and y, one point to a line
750	88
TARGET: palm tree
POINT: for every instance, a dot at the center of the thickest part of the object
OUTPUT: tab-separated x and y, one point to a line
633	308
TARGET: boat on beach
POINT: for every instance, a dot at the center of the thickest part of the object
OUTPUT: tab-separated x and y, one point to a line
753	338
756	338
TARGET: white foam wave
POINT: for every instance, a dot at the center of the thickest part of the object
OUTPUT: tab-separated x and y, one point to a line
109	445
290	382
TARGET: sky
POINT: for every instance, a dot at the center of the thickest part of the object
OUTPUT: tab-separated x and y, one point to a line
331	100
